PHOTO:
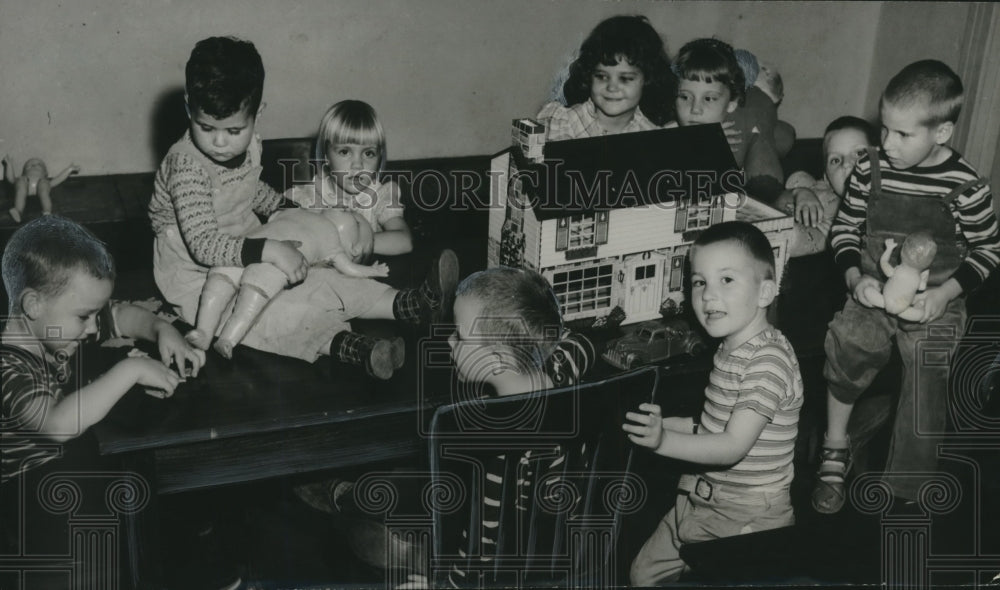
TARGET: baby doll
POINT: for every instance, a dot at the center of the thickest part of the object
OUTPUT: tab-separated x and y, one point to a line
908	278
337	237
34	180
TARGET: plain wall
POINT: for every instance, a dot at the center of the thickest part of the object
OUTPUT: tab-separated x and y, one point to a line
97	82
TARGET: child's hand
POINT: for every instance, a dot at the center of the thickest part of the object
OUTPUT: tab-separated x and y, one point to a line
175	350
861	293
733	136
286	256
933	302
152	373
808	209
648	430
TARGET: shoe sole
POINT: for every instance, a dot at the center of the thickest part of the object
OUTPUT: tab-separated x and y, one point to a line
447	281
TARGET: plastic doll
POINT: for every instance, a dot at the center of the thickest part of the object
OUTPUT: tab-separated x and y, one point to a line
340	238
908	278
34	180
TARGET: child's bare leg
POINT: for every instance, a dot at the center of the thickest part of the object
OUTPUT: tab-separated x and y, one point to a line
250	302
382	309
835	458
20	198
44	189
215	297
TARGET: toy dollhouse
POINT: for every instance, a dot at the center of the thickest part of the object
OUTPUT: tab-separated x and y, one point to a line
609	220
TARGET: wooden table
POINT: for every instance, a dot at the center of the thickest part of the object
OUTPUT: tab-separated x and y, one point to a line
261	416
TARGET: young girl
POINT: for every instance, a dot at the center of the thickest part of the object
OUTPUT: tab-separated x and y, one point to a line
351	143
312	319
711	87
621	82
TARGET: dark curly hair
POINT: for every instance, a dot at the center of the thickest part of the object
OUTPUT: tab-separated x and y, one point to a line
632	38
223	76
711	60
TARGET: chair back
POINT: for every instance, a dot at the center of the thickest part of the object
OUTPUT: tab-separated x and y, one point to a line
545	479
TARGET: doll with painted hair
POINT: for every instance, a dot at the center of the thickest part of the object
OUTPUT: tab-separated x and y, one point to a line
907	278
34	181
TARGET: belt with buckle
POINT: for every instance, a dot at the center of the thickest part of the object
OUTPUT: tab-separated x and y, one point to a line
703	489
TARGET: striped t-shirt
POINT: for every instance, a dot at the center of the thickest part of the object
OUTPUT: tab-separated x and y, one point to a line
761	375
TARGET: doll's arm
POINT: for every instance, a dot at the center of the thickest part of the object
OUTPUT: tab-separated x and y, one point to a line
887	268
62	176
342	262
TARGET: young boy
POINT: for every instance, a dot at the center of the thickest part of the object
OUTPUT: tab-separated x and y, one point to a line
59	278
747	430
815	203
207	189
916	182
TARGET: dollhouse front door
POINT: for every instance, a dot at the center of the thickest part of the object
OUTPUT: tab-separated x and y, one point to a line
643	285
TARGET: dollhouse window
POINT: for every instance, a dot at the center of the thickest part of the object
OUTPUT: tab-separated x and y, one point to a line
583	289
699	217
584	230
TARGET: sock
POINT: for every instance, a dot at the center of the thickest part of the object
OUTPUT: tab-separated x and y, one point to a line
380	358
411	305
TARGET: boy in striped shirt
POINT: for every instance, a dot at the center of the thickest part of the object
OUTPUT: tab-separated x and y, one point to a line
914	183
746	434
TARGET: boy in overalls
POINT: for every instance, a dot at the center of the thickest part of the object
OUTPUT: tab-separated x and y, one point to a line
916	182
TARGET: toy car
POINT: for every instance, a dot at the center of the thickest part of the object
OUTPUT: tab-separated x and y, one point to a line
653	341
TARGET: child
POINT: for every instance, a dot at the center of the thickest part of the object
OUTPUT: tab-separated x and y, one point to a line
747	430
352	144
508	328
337	237
711	87
59	278
916	182
207	188
814	203
621	82
34	180
313	318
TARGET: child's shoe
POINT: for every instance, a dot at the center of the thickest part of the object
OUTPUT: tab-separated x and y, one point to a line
379	357
829	494
431	302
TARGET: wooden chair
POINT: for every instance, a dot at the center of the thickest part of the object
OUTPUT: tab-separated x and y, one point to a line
566	481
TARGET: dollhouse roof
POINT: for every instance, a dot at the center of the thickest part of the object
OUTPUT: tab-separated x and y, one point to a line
629	169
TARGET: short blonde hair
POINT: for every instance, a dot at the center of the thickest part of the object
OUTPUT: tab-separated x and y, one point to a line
350	121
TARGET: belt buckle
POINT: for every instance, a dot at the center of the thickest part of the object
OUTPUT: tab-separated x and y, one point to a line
703	489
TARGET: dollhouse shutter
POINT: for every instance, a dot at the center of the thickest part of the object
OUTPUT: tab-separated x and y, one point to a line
680	220
562	234
716	215
602	227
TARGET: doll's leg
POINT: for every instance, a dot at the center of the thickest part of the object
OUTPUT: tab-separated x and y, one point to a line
215	298
20	197
260	283
44	189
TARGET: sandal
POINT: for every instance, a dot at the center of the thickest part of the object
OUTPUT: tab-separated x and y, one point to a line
829	494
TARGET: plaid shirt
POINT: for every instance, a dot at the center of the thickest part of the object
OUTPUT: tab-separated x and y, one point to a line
580	120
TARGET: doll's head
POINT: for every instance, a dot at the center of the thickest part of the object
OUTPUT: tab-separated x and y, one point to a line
628	50
352	143
918	250
35	168
356	235
769	80
711	83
